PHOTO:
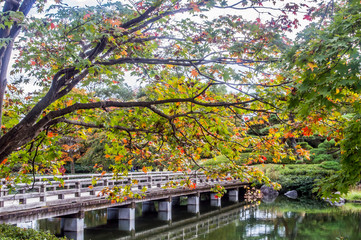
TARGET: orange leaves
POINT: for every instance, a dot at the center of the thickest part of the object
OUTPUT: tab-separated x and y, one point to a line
194	73
192	185
107	156
311	66
70	102
114	22
124	53
195	7
118	157
144	169
288	135
4	161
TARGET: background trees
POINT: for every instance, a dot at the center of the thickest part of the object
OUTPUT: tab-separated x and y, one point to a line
326	66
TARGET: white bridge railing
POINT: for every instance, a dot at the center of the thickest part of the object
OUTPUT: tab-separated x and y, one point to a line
48	191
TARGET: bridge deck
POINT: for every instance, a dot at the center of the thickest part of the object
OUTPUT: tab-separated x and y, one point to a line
74	196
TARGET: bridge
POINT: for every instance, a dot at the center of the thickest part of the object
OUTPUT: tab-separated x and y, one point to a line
69	196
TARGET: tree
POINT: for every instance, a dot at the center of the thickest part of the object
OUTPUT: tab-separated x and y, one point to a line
326	88
181	58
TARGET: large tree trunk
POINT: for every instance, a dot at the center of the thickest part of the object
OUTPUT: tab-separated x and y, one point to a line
11	33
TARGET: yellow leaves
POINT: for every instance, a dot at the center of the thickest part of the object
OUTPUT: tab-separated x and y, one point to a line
298	53
311	66
169	66
279	77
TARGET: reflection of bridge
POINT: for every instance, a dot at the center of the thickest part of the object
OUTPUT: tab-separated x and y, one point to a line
72	197
195	226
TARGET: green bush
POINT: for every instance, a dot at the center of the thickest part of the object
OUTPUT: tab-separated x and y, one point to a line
80	169
299	177
328	144
305	145
333	165
321	158
8	232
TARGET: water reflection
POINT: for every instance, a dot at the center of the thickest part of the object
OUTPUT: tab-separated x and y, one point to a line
282	219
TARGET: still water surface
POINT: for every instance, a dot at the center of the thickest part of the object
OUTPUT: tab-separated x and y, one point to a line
283	219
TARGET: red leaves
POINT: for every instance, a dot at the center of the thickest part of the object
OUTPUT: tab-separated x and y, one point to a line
86	16
307	17
306	131
52	25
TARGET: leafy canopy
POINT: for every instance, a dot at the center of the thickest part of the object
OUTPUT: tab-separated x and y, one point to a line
182	52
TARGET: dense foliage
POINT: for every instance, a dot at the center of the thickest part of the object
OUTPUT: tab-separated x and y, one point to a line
181	52
8	232
214	83
325	63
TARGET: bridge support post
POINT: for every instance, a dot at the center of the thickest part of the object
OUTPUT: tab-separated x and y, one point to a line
233	195
125	215
73	222
165	210
42	192
215	200
148	206
193	204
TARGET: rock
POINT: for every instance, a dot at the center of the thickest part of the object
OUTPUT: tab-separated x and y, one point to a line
338	203
292	194
268	194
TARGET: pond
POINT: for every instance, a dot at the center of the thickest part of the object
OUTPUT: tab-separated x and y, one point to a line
282	219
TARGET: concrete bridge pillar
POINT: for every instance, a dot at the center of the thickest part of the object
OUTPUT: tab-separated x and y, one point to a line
148	206
193	204
233	195
125	215
73	223
215	200
165	210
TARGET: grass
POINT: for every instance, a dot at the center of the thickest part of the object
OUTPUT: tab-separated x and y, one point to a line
353	195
